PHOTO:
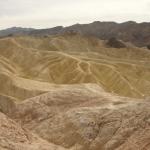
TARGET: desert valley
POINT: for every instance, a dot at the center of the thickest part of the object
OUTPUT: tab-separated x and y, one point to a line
83	87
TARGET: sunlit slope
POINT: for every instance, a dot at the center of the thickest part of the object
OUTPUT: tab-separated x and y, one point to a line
29	65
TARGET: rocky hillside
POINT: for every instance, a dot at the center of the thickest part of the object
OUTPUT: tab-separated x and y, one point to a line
29	65
73	92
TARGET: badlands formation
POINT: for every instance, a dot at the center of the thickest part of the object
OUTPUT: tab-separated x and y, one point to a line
73	92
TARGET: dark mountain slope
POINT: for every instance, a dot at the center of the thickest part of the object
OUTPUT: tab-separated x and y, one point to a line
136	33
15	31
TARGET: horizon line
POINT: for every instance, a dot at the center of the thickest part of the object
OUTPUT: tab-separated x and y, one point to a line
117	22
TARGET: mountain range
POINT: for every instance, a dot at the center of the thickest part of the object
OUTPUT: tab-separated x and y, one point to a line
135	33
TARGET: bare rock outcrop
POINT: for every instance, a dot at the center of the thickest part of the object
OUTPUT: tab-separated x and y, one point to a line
86	118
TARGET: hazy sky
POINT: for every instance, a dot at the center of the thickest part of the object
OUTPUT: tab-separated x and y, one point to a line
49	13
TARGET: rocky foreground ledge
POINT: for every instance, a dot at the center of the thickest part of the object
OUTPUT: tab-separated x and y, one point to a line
75	117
